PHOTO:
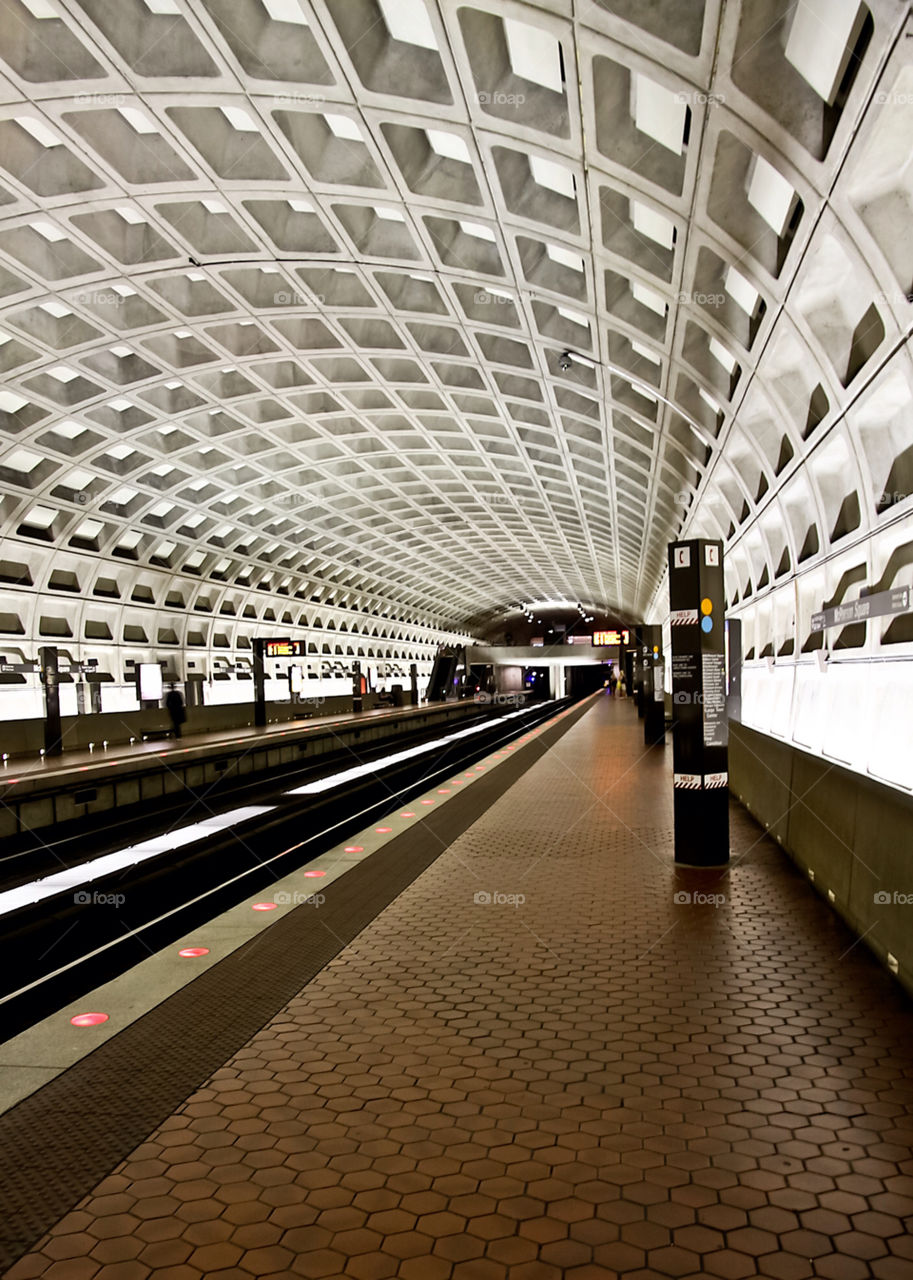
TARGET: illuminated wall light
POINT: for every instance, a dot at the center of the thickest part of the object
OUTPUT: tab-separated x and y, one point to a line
892	962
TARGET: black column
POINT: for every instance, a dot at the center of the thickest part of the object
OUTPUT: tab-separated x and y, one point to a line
259	684
357	701
653	700
48	661
734	669
639	667
413	680
700	735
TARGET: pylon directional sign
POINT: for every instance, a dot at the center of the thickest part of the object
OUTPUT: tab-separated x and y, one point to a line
700	728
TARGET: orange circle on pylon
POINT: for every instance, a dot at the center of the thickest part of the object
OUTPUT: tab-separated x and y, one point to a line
706	607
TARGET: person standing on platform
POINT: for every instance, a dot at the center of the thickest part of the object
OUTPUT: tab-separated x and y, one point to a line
622	687
613	682
174	704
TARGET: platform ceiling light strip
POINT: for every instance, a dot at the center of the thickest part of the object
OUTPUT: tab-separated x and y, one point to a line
73	878
362	770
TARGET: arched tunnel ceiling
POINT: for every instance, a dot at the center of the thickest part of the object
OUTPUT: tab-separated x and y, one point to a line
286	286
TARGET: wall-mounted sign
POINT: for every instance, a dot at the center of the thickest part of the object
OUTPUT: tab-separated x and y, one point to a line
149	681
284	648
880	605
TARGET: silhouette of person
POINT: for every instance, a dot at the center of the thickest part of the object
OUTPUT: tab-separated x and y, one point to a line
174	704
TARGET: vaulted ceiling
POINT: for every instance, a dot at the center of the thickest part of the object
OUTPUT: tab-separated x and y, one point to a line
447	305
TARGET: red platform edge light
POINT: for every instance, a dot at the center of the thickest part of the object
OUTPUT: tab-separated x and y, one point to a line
355	848
191	953
408	813
383	831
427	802
89	1019
311	875
264	906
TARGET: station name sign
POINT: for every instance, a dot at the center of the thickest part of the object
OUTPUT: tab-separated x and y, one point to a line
880	605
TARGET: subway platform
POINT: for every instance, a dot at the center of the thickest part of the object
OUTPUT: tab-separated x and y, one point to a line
515	1041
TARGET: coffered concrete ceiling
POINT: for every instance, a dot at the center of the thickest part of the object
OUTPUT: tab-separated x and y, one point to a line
289	289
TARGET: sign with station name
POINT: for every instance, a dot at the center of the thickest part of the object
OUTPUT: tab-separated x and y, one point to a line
880	605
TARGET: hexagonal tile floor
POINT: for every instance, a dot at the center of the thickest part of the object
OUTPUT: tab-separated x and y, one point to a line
538	1063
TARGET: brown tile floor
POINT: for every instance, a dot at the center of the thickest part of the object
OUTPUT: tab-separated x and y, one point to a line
595	1080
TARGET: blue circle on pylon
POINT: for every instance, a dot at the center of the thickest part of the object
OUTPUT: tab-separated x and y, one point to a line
706	624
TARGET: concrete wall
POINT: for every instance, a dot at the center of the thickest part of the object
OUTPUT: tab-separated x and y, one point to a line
853	835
